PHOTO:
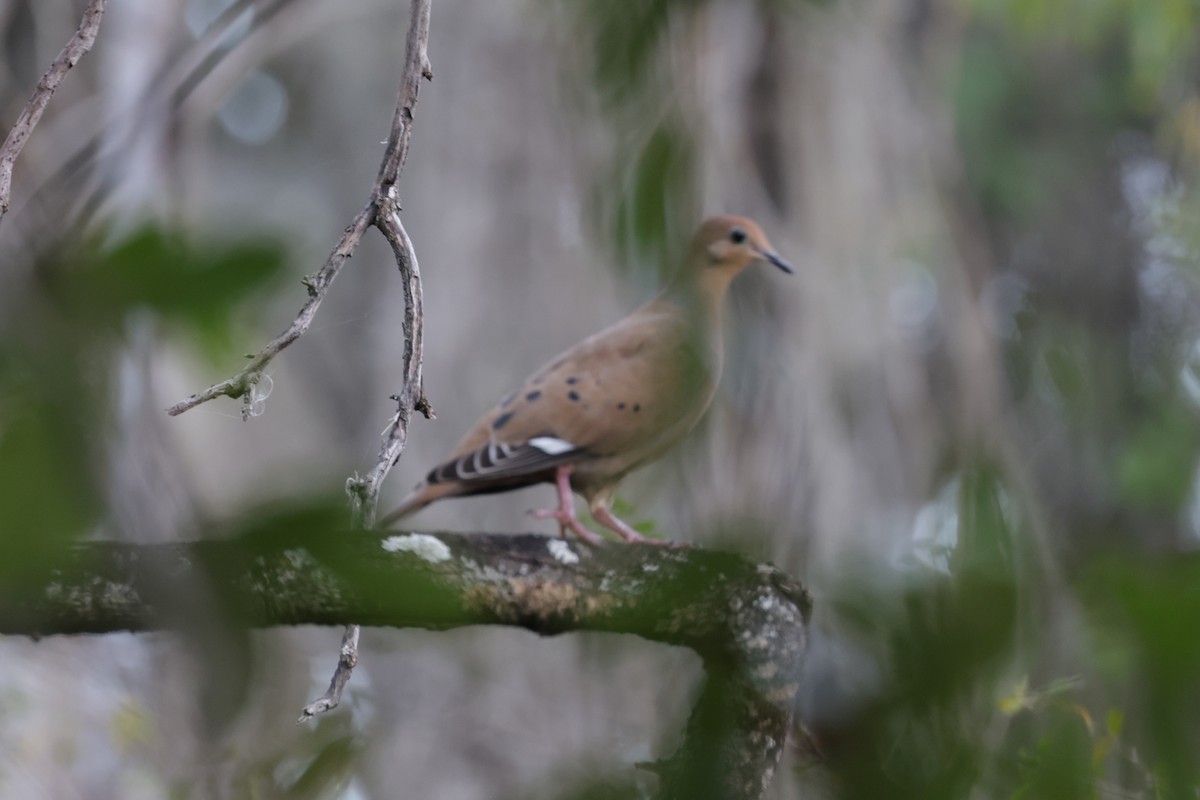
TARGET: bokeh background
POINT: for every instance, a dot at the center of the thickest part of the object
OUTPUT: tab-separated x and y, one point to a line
969	424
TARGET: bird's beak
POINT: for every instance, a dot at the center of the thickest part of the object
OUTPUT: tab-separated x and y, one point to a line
772	257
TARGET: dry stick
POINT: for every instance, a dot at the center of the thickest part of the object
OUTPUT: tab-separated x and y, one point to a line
416	67
365	491
412	397
382	211
74	50
242	384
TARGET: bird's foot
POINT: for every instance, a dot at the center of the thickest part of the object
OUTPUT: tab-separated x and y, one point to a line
602	514
566	521
565	513
637	538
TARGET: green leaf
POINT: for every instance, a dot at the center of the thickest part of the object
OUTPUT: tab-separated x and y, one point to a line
1159	459
198	286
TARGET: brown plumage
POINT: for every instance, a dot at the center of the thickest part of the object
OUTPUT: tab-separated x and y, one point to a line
613	402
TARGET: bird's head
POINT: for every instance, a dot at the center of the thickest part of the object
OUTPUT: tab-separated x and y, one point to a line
729	244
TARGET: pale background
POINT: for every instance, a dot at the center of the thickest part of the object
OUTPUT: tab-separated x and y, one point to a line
852	388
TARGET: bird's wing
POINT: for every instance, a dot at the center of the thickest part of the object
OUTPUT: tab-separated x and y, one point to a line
495	463
615	392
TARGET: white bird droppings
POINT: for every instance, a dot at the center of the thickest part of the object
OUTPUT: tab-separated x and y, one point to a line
562	551
421	545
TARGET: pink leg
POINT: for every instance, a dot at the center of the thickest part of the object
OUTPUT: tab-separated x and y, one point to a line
565	513
603	514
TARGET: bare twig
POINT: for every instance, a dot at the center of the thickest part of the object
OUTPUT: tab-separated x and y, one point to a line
347	661
416	66
386	217
242	384
74	50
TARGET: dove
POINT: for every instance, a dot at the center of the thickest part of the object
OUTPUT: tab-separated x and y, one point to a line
614	402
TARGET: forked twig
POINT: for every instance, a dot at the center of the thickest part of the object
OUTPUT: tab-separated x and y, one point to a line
382	198
384	213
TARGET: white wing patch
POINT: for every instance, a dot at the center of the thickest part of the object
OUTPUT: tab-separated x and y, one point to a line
551	445
495	461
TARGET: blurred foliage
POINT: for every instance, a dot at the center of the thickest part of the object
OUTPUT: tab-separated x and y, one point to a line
59	346
56	353
196	287
320	764
1142	616
644	198
946	639
1116	65
1156	465
1156	39
649	220
1001	677
952	721
1023	136
626	42
636	60
47	491
984	693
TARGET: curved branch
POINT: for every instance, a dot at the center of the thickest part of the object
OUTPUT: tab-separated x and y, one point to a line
382	198
364	493
76	47
747	621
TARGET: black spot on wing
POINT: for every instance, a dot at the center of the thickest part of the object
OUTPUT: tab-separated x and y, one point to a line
637	407
571	381
534	395
573	395
620	406
501	420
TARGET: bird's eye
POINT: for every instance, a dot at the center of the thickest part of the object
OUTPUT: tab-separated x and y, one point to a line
737	236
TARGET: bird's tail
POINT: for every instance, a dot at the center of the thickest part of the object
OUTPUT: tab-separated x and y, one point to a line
418	498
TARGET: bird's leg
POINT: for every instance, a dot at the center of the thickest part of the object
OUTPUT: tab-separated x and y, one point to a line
565	513
603	514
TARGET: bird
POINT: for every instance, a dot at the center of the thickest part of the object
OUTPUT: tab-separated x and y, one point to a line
612	403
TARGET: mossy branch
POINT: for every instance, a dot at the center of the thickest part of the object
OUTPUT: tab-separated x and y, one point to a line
747	621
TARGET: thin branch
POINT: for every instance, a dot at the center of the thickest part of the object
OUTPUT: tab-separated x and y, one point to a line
364	493
747	621
347	661
76	47
242	385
